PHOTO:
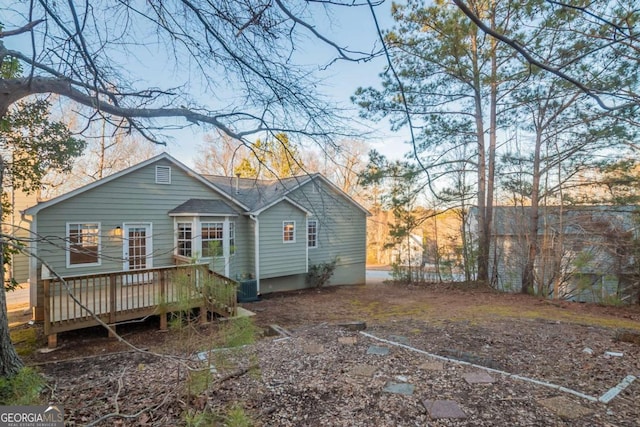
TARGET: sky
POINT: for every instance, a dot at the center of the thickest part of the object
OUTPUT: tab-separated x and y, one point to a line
352	27
355	29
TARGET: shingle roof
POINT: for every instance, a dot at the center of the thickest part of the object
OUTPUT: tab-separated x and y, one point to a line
256	193
204	206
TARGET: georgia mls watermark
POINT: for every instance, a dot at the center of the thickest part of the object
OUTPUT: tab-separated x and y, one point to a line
31	416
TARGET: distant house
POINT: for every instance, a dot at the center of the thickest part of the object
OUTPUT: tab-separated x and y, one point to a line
160	213
585	252
409	251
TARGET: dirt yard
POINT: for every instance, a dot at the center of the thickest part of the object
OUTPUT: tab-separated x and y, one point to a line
428	355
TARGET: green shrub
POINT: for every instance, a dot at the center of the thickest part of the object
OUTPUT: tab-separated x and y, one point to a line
238	332
23	389
237	417
319	274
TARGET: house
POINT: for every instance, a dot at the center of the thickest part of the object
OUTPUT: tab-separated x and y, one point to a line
18	229
159	213
409	251
585	253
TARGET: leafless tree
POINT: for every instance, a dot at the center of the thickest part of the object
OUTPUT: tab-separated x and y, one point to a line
233	66
239	55
219	155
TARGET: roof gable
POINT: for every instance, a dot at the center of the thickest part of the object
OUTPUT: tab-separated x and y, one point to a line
163	156
207	207
252	195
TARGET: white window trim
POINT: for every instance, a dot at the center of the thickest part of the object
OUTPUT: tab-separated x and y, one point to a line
200	240
149	243
175	240
232	248
316	233
196	236
294	231
168	171
68	245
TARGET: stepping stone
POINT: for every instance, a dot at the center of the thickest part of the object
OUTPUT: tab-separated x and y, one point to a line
565	407
354	326
381	351
347	340
313	348
399	339
363	370
438	409
432	366
478	378
399	388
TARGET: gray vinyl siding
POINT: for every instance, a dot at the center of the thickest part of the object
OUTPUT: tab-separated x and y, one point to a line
278	258
19	228
131	198
342	231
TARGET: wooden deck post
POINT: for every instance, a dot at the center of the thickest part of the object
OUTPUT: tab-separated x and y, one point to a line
112	304
204	314
52	339
163	301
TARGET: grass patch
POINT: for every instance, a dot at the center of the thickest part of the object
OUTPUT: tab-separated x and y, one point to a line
376	311
548	313
25	340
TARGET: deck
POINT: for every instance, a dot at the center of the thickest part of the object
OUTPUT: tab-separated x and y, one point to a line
75	302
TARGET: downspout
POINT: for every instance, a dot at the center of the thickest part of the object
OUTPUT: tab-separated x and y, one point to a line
37	311
256	247
226	250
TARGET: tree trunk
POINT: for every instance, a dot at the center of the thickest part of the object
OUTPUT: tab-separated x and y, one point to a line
528	274
483	238
10	363
493	136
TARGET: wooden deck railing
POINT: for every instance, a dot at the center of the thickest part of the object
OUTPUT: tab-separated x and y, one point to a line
119	296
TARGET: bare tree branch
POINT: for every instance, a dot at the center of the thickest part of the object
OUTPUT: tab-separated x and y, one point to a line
24	29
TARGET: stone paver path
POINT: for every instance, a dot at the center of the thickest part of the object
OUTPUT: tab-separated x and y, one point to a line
438	409
478	378
381	351
399	388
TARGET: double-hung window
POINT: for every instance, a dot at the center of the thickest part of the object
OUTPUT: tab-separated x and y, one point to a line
185	236
83	243
289	231
212	239
312	233
205	239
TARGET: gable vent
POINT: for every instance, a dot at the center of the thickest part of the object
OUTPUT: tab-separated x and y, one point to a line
163	174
